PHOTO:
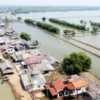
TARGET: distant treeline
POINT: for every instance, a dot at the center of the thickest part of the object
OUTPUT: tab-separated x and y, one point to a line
62	22
95	24
43	25
28	9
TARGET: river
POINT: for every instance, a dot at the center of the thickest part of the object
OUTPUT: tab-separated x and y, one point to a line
54	46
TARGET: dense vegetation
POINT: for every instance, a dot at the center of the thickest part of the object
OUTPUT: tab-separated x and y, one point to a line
76	62
69	32
48	27
43	25
95	24
61	22
25	36
29	21
94	30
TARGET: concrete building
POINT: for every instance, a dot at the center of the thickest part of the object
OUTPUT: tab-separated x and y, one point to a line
62	88
6	68
33	81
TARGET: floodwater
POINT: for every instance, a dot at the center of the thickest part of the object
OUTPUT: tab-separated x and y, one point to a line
59	48
5	92
92	40
54	46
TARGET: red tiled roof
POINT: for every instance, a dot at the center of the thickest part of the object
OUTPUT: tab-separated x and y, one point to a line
77	84
70	86
52	90
58	85
80	83
34	59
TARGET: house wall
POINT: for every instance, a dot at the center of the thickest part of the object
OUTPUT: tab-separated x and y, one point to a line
48	72
38	86
79	91
34	87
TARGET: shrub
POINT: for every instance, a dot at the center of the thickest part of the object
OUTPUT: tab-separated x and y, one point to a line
25	36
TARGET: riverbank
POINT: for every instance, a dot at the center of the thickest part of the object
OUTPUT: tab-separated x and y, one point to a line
59	48
6	91
91	49
60	37
17	89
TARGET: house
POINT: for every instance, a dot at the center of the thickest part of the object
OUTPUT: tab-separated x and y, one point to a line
9	50
30	45
43	68
16	40
33	60
62	88
6	68
5	47
2	32
2	25
2	41
19	47
21	55
77	86
33	80
16	58
56	88
9	32
39	59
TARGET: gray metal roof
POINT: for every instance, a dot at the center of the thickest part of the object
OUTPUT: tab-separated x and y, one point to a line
17	57
42	67
6	68
30	78
19	47
5	65
25	80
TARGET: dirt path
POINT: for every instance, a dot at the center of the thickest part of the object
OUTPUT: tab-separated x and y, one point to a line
15	84
90	76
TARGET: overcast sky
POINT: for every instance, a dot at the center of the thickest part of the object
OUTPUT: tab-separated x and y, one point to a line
52	2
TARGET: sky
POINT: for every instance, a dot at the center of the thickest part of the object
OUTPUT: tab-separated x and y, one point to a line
51	2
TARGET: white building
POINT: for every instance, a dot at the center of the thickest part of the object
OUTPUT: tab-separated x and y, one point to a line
33	81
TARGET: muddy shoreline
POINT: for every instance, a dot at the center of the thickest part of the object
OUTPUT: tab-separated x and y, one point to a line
16	94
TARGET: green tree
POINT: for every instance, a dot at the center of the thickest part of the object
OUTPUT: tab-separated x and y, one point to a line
76	62
94	30
43	18
65	23
69	32
19	18
25	36
73	33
